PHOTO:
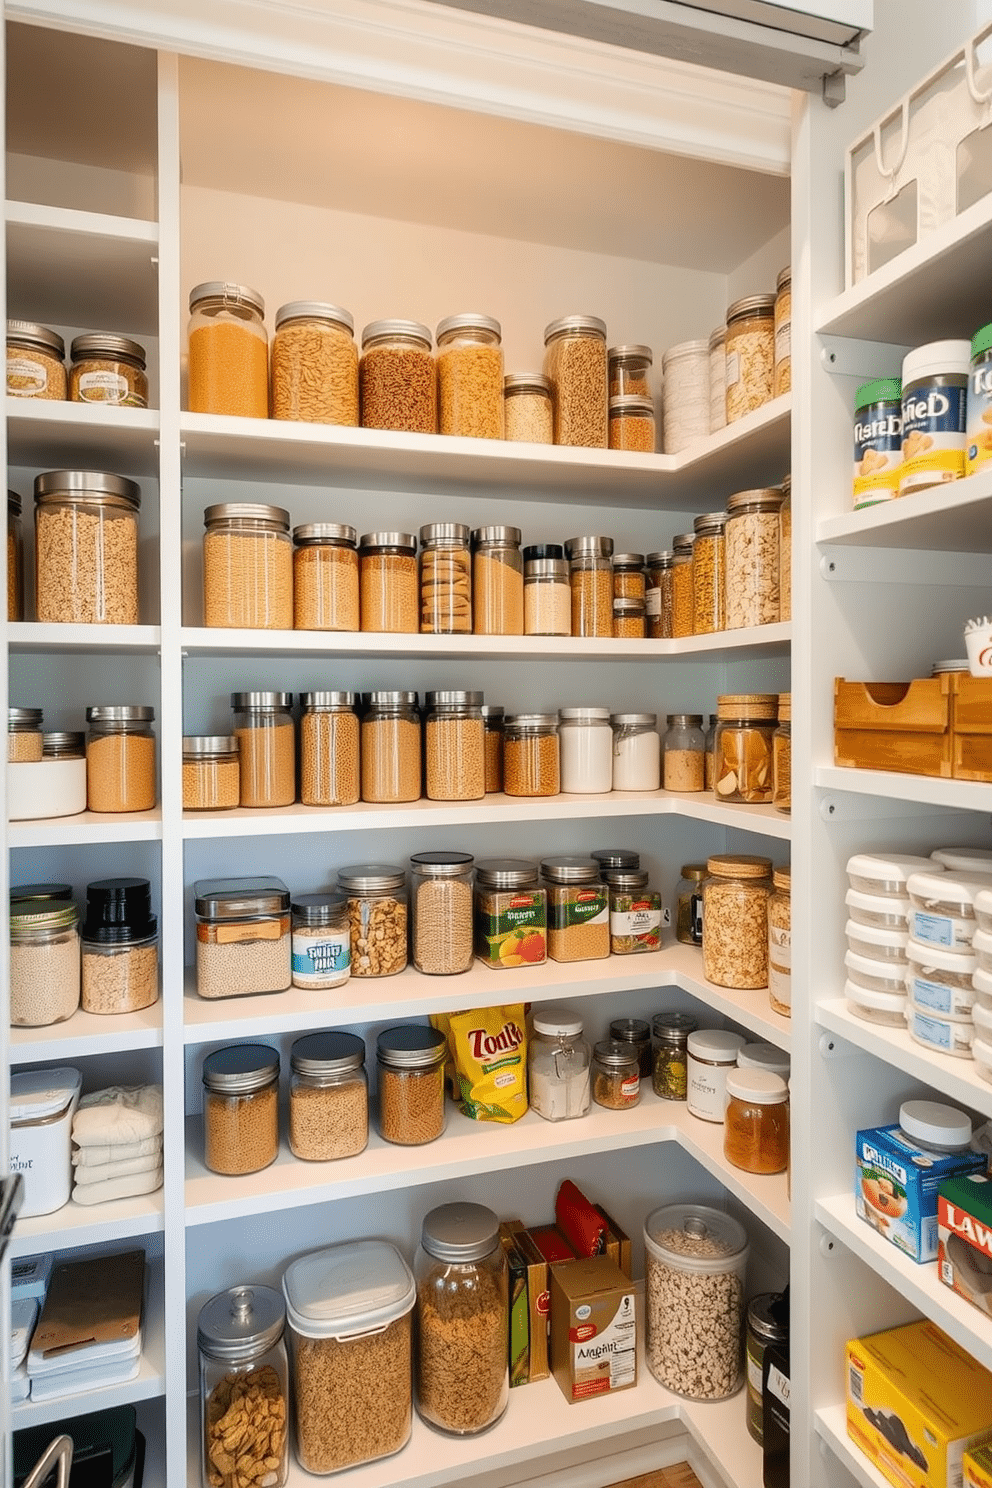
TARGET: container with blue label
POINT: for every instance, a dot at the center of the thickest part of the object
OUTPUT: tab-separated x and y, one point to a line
979	450
942	908
321	940
934	414
877	441
940	981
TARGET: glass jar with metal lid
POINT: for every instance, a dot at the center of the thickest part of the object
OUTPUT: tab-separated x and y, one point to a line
616	1075
750	347
658	598
228	350
243	931
387	567
24	736
782	373
455	748
767	1324
325	577
591	582
247	566
35	362
629	367
321	948
315	364
528	414
243	1367
636	752
108	369
263	727
631	424
328	1097
637	1033
683	764
753	561
86	548
531	765
682	593
377	918
689	904
462	1377
445	579
64	744
492	720
547	593
629	619
670	1067
708	578
497	581
510	913
585	742
635	920
59	893
241	1109
628	576
735	920
685	395
575	361
743	747
470	376
397	377
616	858
558	1060
15	558
718	379
390	747
44	961
780	942
410	1060
120	758
782	755
785	549
441	912
330	749
578	909
119	947
211	776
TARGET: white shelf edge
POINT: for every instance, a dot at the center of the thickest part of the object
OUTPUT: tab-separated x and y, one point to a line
86	224
77	1224
87	827
925	790
105	417
891	517
88	1033
31	635
830	1424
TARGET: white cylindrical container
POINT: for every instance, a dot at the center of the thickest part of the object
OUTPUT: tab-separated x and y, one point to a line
885	875
876	976
981	1052
982	983
934	415
877	943
982	947
636	752
685	395
42	1105
881	911
46	788
766	1057
944	1035
941	981
711	1053
964	859
943	912
586	744
888	1008
718	379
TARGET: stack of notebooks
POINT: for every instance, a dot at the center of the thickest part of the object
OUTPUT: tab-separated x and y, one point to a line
89	1331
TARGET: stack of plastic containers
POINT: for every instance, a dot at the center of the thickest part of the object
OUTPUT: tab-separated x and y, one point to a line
877	929
982	946
942	962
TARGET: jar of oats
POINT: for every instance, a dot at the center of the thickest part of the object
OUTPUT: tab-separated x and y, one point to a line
397	377
530	755
328	1097
735	920
119	947
325	577
321	941
718	379
445	579
15	558
708	578
528	414
86	548
578	909
410	1060
329	749
263	727
228	350
753	573
497	581
629	371
377	917
390	747
470	376
658	595
315	365
632	424
750	348
743	747
243	1368
35	362
441	911
387	567
782	755
682	593
685	392
243	940
455	747
591	582
108	369
785	549
241	1109
24	735
780	942
782	376
575	361
120	758
211	775
492	719
247	566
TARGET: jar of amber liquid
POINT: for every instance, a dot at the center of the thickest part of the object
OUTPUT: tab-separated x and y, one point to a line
756	1124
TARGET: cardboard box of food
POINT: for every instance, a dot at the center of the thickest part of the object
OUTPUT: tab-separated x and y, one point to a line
519	1309
593	1328
896	1183
538	1300
964	1238
976	1468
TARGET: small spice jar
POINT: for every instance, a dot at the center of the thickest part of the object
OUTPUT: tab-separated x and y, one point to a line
329	749
616	1076
735	920
780	942
696	1262
782	755
325	577
753	565
711	1055
455	750
682	593
629	621
637	1032
547	592
685	395
585	742
445	579
119	947
708	578
247	566
756	1125
636	752
377	915
658	595
578	909
750	348
635	916
243	936
497	581
575	362
315	365
767	1324
511	913
263	727
228	351
243	1367
328	1097
108	369
782	374
211	774
689	904
530	755
35	362
492	719
391	769
718	379
744	746
785	550
86	548
390	597
120	758
629	369
241	1109
631	425
591	583
470	376
410	1060
24	735
683	762
441	912
670	1068
321	944
15	558
44	961
528	413
558	1064
397	378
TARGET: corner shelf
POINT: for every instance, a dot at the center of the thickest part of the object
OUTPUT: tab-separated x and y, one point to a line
954	518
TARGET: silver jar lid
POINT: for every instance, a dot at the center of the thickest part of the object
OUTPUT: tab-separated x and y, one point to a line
673	1028
388	540
460	1232
451	700
616	857
389	700
547	568
628	560
328	1053
596	547
371	878
106	344
203	746
616	1054
760	304
566	869
682	542
584	715
441	864
314	532
661	559
120	713
506	873
685	720
239	898
784	277
318	702
63	744
631	353
763	498
633	403
265	700
315	310
633	720
240	1069
627	878
445	532
319	909
630	1030
503	536
452	324
37	337
82	485
13	504
526	382
24	720
709	524
718	337
575	325
234	296
388	330
412	1046
532	721
245	511
241	1323
493	714
628	606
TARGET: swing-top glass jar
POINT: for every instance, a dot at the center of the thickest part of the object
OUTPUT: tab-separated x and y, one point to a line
558	1064
244	1375
228	351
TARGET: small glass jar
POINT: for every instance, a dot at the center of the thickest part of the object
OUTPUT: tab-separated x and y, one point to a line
708	579
44	961
391	757
315	366
767	1325
377	918
390	594
558	1064
241	1109
441	934
631	425
683	756
454	746
445	579
15	558
628	576
636	752
575	361
547	591
750	347
629	369
321	945
86	548
228	351
658	596
410	1061
120	758
685	393
591	583
328	1097
492	719
325	577
243	936
629	620
743	747
616	1075
397	378
712	1054
735	920
330	773
528	412
497	581
780	943
782	374
782	755
578	909
718	379
263	727
585	742
756	1124
108	369
710	748
689	904
670	1069
244	1373
682	593
785	550
752	552
247	566
118	947
470	376
35	362
636	1032
24	735
211	774
511	914
531	765
635	918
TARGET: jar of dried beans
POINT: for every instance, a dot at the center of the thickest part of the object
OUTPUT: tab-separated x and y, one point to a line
244	1377
743	747
631	425
470	376
120	758
390	599
492	720
575	361
86	548
635	920
718	379
629	371
708	599
397	377
696	1262
243	936
628	576
241	1109
325	577
683	768
753	592
328	1097
682	595
329	749
616	1075
658	595
455	749
315	365
321	949
530	755
750	354
377	918
247	566
578	909
410	1060
445	579
108	369
782	755
685	392
44	961
782	375
547	594
528	413
228	351
441	910
497	581
636	752
585	742
756	1126
591	582
24	735
735	920
263	727
390	747
119	947
670	1069
15	558
780	943
211	776
35	362
510	913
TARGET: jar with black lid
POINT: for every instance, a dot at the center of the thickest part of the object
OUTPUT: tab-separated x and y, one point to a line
108	369
321	946
410	1061
35	362
243	1368
15	558
328	1097
86	548
767	1324
689	904
547	592
119	944
241	1109
621	858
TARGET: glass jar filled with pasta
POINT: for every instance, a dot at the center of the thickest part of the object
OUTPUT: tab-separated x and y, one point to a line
470	376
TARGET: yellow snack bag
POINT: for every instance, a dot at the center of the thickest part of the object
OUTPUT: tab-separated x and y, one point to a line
487	1049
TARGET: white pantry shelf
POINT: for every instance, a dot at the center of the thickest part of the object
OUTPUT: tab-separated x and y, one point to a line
88	1033
109	640
830	1425
87	828
955	518
94	1224
86	436
926	790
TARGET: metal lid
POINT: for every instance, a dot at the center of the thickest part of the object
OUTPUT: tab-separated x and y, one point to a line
107	344
784	277
412	1046
709	524
717	337
597	547
312	532
566	869
240	1069
80	485
370	877
673	1028
739	865
683	542
626	878
506	873
453	701
526	382
628	560
327	1053
553	1018
36	336
241	1323
451	324
754	707
315	310
388	330
22	719
445	532
203	745
532	721
768	1317
630	1030
234	296
685	349
584	715
766	498
616	857
633	720
460	1232
123	713
631	353
316	702
632	403
56	891
716	1045
493	713
684	720
694	870
584	325
546	551
239	898
547	568
243	700
245	511
616	1054
389	700
625	607
388	540
760	1087
319	909
41	914
662	559
505	536
347	1290
441	864
13	504
760	304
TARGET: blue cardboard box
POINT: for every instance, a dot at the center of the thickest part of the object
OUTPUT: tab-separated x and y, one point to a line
896	1182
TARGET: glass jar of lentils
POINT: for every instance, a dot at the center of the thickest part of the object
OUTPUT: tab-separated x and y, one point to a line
390	599
445	579
750	347
591	582
228	350
455	749
753	561
397	378
325	577
120	758
410	1061
629	369
247	566
329	749
263	727
390	736
527	410
575	361
328	1097
735	920
470	376
377	915
241	1109
441	912
86	548
211	775
708	579
497	581
314	364
658	595
530	755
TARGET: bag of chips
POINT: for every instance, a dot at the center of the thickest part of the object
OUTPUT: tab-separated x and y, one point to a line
487	1049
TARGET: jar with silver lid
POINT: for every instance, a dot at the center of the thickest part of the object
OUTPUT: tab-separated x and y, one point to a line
497	581
35	362
510	913
108	369
397	377
211	776
709	613
531	760
718	379
684	767
389	592
575	361
547	593
328	1097
86	548
586	750
635	921
243	936
325	577
492	720
629	368
685	395
120	758
658	595
15	558
241	1109
782	375
441	912
558	1060
610	859
628	576
263	727
44	961
377	918
578	909
410	1060
629	622
228	350
528	414
24	736
454	746
616	1075
247	566
636	752
243	1368
470	376
390	747
750	347
753	558
682	594
669	1072
64	744
591	583
637	1033
445	579
314	364
321	945
329	749
631	424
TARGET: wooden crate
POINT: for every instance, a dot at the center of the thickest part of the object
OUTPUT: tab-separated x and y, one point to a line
900	726
971	727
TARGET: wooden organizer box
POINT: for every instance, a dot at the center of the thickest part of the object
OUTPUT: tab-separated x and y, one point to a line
931	726
971	727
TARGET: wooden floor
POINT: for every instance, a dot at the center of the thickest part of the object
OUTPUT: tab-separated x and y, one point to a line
679	1476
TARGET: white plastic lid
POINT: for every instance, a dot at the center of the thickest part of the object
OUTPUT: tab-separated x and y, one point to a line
346	1290
941	959
555	1017
36	1094
947	888
934	358
982	941
878	935
892	871
982	1017
883	1002
935	1122
759	1087
982	981
766	1057
982	1052
964	859
886	971
716	1044
883	904
983	901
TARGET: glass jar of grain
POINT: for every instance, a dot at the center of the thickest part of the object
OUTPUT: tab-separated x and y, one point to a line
24	735
315	365
325	577
120	758
377	918
578	909
591	582
211	776
44	962
228	351
750	347
390	598
670	1067
86	548
492	719
329	749
35	362
631	424
470	376
616	1075
118	947
497	581
782	755
782	376
683	766
708	580
753	575
441	912
397	377
328	1097
243	1367
390	747
15	558
710	748
628	576
530	755
108	369
735	920
682	596
321	941
547	594
241	1109
718	379
455	749
629	369
685	394
658	595
785	549
629	623
243	942
445	579
780	942
528	415
263	727
743	747
575	361
247	566
410	1060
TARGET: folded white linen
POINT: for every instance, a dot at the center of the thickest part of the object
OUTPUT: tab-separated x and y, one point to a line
86	1177
120	1114
117	1188
99	1157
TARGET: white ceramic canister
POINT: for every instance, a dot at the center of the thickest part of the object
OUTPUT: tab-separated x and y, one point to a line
685	395
46	788
585	741
636	752
42	1105
711	1053
941	981
943	912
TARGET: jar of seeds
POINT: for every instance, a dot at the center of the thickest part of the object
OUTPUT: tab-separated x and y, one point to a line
547	594
15	558
119	947
321	948
120	758
445	579
658	599
377	918
441	912
329	749
670	1069
510	913
44	961
263	727
247	566
86	548
325	577
470	376
328	1097
531	764
735	920
315	366
578	909
750	354
744	745
492	719
390	747
575	361
591	582
24	735
782	755
708	579
211	775
629	620
629	371
497	581
682	592
616	1076
390	597
753	593
410	1061
696	1261
397	378
108	369
628	576
527	408
455	749
241	1109
35	362
631	425
243	936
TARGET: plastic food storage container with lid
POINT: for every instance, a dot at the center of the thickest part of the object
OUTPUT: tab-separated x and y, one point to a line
348	1313
982	1018
876	976
941	980
875	943
42	1105
943	1034
240	1109
766	1057
696	1261
86	548
266	735
228	351
328	1097
982	947
943	912
981	1051
982	983
983	909
325	577
321	946
885	876
247	566
470	376
243	1372
887	1008
711	1053
314	364
881	911
108	369
964	859
410	1060
397	378
243	936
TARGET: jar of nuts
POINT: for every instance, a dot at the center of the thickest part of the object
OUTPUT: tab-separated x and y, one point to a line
735	920
470	376
325	577
390	600
658	595
629	369
241	1109
86	548
108	369
397	378
708	578
455	750
445	579
228	350
753	572
120	758
377	918
497	581
328	1097
247	566
530	755
441	912
15	558
411	1060
528	414
244	1382
591	580
390	747
750	354
35	362
682	593
575	361
492	719
315	365
329	749
263	727
211	776
743	747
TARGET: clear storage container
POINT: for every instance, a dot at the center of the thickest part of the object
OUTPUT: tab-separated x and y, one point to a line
44	962
120	758
377	916
878	944
585	742
325	577
753	558
243	936
575	361
442	912
750	345
247	567
390	738
696	1261
616	1075
880	911
885	876
636	752
683	765
629	619
244	1381
941	981
547	591
635	915
398	378
530	755
86	548
885	1008
328	1097
528	411
390	594
263	727
874	975
119	947
685	393
767	1325
410	1061
24	735
241	1109
492	718
782	371
15	558
330	773
315	364
629	371
780	943
682	595
578	909
708	574
497	581
943	907
470	376
510	913
689	904
670	1062
108	369
658	595
445	579
591	583
637	1033
211	774
744	747
629	580
35	362
228	351
735	920
756	1124
782	755
321	945
631	424
558	1064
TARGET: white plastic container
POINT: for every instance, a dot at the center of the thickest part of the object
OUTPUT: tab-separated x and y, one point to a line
39	789
765	1057
42	1105
874	874
585	742
940	980
876	944
964	859
944	1035
983	1022
711	1053
943	911
983	909
685	395
876	976
934	414
887	1008
884	911
982	1055
982	983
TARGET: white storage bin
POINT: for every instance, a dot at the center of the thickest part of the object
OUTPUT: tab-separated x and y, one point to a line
888	1008
876	976
983	1023
944	1035
39	789
42	1105
964	859
982	983
943	912
884	911
877	944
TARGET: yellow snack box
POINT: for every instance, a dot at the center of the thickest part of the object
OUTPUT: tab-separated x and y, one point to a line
915	1402
976	1468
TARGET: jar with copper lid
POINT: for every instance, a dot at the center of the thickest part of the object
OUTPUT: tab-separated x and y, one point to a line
682	598
632	424
228	351
658	595
628	576
708	602
528	413
743	746
718	379
247	566
750	354
108	369
388	589
782	374
445	579
492	719
15	558
591	582
780	942
735	920
575	361
470	376
753	581
756	1125
315	364
782	755
785	549
629	369
397	378
497	581
325	577
35	362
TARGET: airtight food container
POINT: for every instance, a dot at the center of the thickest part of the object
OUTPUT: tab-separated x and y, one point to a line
877	944
42	1105
943	912
884	911
945	1035
982	947
964	859
887	1008
941	980
983	909
982	983
876	976
982	1055
873	874
983	1022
